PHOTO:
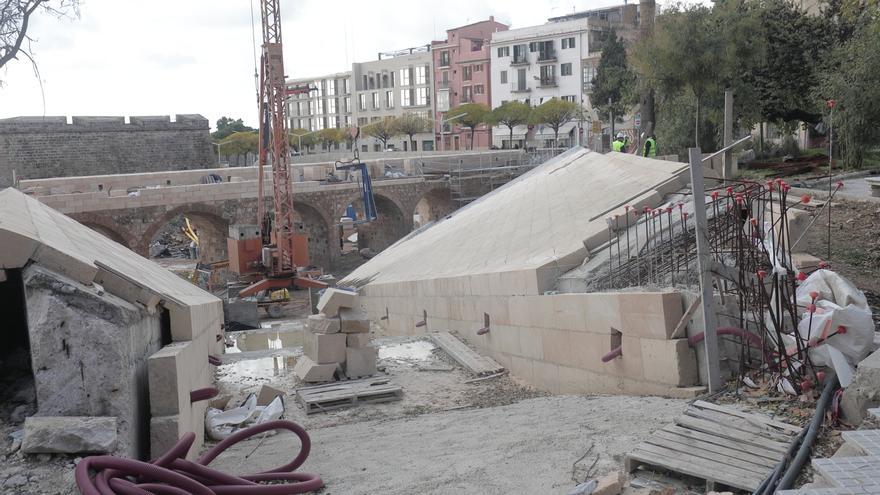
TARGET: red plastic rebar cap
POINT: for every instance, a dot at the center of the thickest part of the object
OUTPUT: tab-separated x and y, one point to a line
841	329
801	276
814	295
805	199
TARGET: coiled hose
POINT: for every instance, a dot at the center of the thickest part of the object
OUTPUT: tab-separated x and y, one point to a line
172	474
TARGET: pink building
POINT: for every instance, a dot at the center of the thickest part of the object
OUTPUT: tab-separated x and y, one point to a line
462	75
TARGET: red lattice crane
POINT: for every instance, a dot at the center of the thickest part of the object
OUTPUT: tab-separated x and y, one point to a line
282	250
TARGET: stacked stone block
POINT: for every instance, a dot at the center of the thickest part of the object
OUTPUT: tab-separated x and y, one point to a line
337	341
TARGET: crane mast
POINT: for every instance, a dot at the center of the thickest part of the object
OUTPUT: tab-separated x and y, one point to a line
273	145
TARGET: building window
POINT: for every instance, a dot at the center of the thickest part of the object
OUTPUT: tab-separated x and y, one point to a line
503	51
476	45
589	73
466	94
519	54
444	58
319	123
362	101
478	68
348	121
466	73
362	121
406	97
332	122
421	97
310	107
567	43
565	69
548	75
299	108
375	101
331	87
346	104
404	77
479	89
389	99
421	75
345	85
503	77
320	89
569	98
331	105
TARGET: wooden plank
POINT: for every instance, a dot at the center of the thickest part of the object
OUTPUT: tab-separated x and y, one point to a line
738	424
770	456
464	355
327	397
678	332
709	452
791	429
731	433
715	448
693	466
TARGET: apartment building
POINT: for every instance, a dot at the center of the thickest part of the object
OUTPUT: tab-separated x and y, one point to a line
397	83
327	105
462	68
554	60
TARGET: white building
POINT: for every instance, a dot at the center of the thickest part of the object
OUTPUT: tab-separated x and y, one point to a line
327	106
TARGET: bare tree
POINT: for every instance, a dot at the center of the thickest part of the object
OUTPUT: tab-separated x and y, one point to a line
15	17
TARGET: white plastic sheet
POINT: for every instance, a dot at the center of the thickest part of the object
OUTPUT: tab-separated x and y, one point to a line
220	424
839	303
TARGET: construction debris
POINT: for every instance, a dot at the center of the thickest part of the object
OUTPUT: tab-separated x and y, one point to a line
321	398
69	435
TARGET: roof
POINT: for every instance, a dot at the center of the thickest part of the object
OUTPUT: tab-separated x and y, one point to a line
32	231
542	219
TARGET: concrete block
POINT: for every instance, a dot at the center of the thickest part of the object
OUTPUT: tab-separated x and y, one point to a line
312	372
672	362
569	311
324	348
864	391
650	314
357	340
530	343
504	338
804	262
164	433
610	484
267	394
320	323
354	320
332	300
628	364
556	346
69	435
361	361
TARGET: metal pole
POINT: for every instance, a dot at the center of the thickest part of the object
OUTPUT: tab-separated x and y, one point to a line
727	162
698	191
830	162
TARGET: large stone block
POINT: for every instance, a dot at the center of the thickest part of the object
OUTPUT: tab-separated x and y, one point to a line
357	340
652	315
864	391
354	320
69	435
324	348
332	300
361	361
320	323
164	433
672	362
311	372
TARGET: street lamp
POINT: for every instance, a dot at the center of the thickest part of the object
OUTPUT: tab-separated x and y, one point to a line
219	145
443	121
299	139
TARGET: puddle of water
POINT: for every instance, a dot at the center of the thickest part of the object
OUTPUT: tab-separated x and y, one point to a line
263	340
408	351
257	368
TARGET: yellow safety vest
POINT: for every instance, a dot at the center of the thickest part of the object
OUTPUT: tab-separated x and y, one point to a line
650	152
617	145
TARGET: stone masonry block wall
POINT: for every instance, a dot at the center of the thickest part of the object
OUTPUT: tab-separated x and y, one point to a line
89	351
37	147
554	342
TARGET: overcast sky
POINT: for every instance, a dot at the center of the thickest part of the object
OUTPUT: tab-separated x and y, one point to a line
157	57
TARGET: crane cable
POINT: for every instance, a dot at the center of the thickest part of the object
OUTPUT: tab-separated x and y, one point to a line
254	53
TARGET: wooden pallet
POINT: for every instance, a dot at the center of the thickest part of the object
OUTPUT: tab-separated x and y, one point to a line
718	444
321	398
465	356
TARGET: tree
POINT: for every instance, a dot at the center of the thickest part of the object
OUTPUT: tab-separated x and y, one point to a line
227	126
684	52
854	83
472	115
412	124
614	87
329	137
240	143
383	130
555	113
301	137
15	18
511	114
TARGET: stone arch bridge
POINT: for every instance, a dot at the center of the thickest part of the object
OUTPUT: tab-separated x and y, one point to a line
131	209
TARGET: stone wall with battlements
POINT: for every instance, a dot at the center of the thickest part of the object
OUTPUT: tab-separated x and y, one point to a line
40	147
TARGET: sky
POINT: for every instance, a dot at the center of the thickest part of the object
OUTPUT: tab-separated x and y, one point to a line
166	57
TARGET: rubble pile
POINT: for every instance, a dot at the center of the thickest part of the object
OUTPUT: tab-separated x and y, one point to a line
337	342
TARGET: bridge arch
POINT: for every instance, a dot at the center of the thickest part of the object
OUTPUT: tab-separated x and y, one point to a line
433	205
319	229
209	221
394	221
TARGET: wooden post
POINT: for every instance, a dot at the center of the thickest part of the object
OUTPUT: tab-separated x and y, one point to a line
698	192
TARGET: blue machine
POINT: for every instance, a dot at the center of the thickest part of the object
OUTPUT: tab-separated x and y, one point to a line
370	212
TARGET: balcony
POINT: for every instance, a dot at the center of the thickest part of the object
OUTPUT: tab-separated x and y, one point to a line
519	60
547	56
444	84
444	61
547	82
519	88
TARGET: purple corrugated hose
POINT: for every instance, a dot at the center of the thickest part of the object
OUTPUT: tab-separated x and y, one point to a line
172	474
754	339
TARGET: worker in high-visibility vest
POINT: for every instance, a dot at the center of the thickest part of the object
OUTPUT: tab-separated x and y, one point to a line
650	148
619	143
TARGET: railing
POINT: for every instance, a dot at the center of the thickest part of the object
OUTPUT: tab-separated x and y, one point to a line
444	61
517	88
520	60
547	56
547	82
445	84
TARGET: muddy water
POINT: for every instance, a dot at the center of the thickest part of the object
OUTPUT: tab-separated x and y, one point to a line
419	350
